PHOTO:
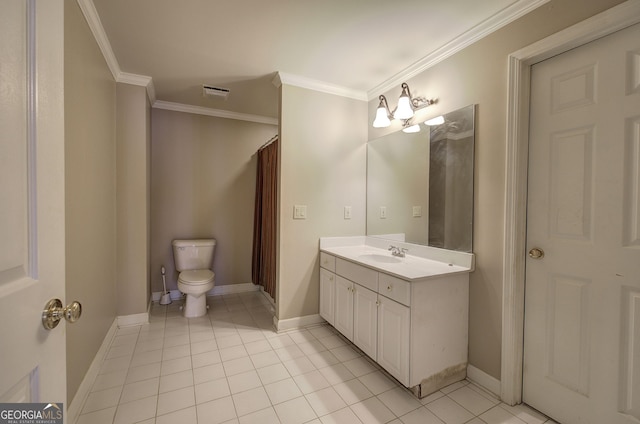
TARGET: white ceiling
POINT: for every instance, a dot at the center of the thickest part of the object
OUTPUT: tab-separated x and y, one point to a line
358	45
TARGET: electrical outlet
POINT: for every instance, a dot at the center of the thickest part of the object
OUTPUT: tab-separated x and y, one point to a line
383	212
347	212
300	212
417	211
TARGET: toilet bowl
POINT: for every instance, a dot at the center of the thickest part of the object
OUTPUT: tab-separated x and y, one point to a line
195	285
193	259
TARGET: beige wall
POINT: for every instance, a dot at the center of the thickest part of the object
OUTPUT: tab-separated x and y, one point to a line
90	156
203	172
478	74
132	171
323	166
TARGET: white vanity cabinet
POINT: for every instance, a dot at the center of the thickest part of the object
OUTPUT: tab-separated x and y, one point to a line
327	295
415	329
327	287
394	325
344	307
365	320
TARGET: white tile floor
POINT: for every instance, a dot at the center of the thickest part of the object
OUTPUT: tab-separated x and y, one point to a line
231	367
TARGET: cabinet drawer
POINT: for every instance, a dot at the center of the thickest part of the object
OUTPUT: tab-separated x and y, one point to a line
327	261
395	288
358	274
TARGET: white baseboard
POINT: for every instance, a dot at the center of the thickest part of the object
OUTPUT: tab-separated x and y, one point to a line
233	288
484	380
297	322
75	407
215	291
135	319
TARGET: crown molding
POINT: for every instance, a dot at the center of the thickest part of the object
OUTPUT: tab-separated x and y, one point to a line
494	23
95	24
133	79
218	113
141	80
312	84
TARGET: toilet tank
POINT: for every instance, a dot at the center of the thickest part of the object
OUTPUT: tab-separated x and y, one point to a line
193	254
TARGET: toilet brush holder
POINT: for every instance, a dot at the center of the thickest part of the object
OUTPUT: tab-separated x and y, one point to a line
165	299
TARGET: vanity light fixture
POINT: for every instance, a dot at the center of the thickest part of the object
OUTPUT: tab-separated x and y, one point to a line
407	105
438	120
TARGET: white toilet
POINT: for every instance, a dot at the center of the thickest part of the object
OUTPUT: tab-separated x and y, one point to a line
193	259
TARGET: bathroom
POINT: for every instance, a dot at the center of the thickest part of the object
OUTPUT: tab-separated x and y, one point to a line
126	199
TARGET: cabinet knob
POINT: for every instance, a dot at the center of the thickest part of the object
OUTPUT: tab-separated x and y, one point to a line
331	278
389	287
377	303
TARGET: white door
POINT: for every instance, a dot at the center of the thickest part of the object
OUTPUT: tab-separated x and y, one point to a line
394	326
582	302
32	253
365	320
343	318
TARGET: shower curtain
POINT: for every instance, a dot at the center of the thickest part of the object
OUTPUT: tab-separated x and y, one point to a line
263	264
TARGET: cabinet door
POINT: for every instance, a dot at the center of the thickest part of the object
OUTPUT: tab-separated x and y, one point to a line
365	320
343	313
393	338
327	295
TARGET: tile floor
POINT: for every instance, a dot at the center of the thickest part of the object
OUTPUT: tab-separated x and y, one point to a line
231	367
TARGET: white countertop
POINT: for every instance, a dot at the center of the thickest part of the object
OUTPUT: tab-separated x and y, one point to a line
408	268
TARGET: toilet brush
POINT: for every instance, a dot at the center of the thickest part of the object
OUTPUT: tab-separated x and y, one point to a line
166	296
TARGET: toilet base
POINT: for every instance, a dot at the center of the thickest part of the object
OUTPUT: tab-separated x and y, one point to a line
194	306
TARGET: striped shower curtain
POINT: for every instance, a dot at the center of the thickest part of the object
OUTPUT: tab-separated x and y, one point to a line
263	264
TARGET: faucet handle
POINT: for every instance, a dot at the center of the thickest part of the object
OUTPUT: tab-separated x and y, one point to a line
392	247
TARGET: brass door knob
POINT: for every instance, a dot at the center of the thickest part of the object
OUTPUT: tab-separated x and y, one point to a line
536	253
53	312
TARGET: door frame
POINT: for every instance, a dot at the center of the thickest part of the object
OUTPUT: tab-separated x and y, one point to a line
517	156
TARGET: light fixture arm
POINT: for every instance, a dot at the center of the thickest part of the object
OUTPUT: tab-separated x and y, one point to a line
418	102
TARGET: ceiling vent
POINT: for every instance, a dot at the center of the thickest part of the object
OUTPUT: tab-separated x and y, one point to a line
210	91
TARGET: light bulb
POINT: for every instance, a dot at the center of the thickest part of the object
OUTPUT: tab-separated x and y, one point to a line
412	129
438	120
382	119
404	109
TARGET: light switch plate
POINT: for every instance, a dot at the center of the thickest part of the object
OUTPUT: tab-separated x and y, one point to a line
347	212
300	212
383	212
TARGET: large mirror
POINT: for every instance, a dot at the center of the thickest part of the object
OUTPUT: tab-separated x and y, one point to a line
420	185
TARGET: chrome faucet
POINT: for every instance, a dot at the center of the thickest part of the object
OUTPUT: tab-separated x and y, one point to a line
396	251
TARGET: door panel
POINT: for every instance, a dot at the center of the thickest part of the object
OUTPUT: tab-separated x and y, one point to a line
394	324
344	307
365	320
582	349
32	254
327	295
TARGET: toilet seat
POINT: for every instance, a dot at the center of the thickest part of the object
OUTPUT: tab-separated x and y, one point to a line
196	277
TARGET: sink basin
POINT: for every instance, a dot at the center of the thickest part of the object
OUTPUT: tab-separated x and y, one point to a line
380	258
